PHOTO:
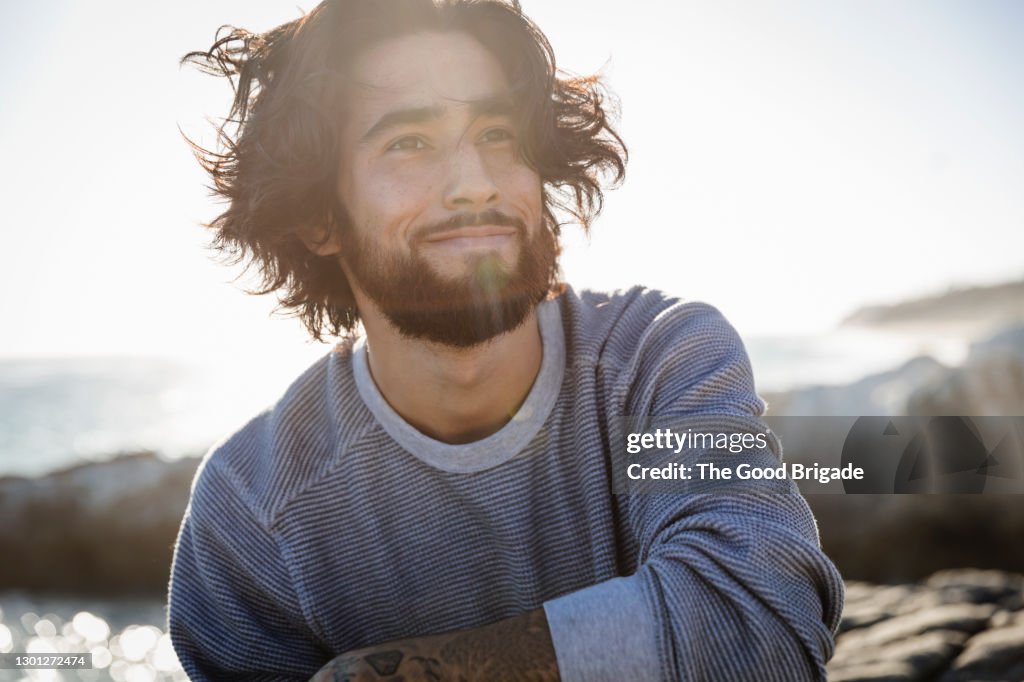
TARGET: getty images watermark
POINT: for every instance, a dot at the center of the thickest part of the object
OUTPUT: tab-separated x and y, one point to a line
820	455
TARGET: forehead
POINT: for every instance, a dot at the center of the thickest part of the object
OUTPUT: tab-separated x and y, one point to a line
421	70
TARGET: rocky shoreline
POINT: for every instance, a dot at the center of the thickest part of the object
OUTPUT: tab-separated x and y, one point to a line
955	626
100	528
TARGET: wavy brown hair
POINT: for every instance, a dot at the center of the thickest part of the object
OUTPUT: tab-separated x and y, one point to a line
276	159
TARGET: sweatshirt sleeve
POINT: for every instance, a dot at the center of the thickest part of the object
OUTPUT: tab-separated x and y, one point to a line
232	613
728	586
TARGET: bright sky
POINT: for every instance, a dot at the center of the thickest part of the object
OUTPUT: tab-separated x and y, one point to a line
789	162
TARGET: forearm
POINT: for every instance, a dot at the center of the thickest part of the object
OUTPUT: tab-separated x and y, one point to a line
517	648
743	589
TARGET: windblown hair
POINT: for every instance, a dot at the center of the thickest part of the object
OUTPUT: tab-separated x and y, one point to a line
276	160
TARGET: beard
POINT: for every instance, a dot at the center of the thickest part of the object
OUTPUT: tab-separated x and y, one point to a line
488	300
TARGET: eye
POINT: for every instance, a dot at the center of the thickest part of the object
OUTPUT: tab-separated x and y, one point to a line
497	135
407	143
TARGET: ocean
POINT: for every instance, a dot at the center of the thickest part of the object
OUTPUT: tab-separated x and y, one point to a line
56	412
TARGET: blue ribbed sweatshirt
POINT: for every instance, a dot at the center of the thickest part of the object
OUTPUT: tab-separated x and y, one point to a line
327	523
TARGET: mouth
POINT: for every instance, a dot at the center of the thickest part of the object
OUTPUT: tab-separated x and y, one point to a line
494	233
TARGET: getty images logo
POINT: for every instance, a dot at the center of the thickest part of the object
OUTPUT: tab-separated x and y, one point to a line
931	454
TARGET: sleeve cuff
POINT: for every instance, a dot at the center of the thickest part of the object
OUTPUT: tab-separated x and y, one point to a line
604	632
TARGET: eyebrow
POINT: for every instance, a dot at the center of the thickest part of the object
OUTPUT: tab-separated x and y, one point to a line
488	106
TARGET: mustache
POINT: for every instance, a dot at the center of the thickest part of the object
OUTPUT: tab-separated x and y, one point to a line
489	217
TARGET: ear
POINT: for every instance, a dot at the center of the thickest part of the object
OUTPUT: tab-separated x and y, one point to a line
313	237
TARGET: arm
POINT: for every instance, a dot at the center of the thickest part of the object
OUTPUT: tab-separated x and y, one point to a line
515	649
727	586
232	612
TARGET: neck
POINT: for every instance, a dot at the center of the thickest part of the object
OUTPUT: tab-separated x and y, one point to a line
454	395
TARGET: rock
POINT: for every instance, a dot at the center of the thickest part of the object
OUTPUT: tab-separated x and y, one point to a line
882	671
996	654
97	528
1004	619
954	626
868	604
963	618
884	393
909	658
900	538
989	383
977	586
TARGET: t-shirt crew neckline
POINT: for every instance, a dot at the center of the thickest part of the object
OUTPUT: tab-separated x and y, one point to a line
500	446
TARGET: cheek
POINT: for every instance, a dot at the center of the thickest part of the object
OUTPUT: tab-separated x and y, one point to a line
525	190
387	200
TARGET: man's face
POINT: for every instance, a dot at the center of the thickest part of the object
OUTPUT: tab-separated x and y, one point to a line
444	226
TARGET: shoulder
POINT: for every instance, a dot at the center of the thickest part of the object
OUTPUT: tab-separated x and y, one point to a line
619	326
278	453
656	346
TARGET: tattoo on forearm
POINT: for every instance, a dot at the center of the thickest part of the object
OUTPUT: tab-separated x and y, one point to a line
517	649
513	649
430	668
385	662
337	670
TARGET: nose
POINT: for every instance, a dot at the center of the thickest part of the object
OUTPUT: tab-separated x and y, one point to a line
470	184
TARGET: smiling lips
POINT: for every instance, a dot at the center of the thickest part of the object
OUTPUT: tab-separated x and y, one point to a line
475	237
472	233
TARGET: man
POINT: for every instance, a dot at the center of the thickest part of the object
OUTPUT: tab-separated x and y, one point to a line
433	499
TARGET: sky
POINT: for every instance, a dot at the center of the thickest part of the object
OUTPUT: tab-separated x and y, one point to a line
789	162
